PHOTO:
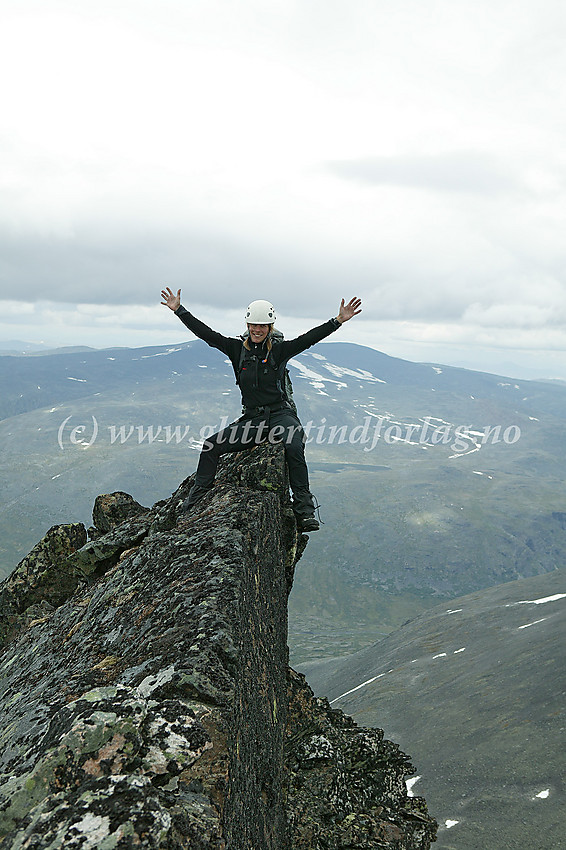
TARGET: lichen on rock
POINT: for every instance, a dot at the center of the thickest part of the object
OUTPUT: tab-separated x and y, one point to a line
42	580
345	784
145	694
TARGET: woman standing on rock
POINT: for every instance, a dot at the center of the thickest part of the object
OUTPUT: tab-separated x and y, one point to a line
259	359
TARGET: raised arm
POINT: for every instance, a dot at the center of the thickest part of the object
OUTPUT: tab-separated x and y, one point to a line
228	345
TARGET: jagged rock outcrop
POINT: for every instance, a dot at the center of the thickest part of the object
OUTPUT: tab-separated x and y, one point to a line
41	581
145	695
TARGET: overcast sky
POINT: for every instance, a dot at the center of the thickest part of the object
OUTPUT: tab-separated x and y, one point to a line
412	153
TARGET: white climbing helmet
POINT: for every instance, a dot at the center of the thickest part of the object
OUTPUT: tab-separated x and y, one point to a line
260	313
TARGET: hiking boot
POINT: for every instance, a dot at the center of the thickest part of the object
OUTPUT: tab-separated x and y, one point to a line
195	495
308	523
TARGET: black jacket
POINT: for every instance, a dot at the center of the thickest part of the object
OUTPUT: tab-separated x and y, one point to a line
258	379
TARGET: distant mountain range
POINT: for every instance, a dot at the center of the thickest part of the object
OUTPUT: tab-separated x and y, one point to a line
20	348
475	692
433	481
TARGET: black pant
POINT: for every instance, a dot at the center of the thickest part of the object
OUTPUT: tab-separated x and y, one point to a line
277	426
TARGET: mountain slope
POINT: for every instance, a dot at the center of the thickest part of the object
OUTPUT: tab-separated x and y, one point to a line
476	691
433	481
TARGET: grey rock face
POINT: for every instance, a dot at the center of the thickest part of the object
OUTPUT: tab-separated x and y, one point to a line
150	704
113	509
42	580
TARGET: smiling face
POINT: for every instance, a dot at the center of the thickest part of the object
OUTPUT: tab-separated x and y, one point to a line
258	332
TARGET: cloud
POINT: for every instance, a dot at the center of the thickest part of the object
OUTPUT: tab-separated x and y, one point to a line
518	315
468	172
408	153
99	267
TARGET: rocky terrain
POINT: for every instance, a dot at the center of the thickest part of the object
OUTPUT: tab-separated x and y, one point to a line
146	698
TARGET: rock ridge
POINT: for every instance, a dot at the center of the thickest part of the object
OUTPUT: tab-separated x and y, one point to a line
146	698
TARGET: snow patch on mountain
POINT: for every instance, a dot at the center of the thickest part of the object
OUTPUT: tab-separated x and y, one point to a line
357	688
315	379
334	370
534	623
542	601
360	374
410	783
160	353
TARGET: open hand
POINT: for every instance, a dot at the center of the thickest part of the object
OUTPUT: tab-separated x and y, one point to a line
170	299
352	308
